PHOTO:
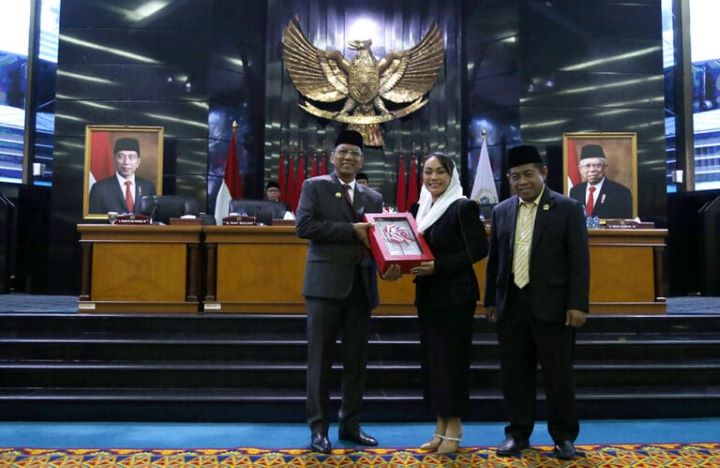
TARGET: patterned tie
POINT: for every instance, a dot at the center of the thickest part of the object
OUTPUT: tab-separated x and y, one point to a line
128	196
346	195
590	205
521	259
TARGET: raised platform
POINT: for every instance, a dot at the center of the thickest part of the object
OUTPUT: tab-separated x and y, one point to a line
252	367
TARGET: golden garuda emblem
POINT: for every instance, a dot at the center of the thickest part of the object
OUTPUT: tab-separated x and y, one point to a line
363	82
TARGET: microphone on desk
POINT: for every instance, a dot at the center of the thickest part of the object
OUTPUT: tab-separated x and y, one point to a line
154	209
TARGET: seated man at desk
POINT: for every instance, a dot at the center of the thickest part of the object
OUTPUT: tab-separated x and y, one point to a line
121	191
272	193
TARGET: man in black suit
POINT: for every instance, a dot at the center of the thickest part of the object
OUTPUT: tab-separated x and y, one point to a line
340	287
601	196
121	191
537	291
272	193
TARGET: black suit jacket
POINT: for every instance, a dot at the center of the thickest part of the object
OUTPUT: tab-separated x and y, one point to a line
559	257
326	219
457	240
106	195
613	201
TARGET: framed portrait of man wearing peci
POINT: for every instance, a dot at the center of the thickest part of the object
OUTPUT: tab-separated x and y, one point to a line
122	164
601	173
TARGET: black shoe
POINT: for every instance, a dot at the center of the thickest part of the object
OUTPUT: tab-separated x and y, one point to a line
358	436
565	450
512	447
319	442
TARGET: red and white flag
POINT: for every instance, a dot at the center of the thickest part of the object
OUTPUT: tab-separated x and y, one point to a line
400	194
281	178
101	158
572	165
232	186
413	194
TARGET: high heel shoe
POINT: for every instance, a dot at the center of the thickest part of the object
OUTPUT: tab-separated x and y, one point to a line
449	444
432	444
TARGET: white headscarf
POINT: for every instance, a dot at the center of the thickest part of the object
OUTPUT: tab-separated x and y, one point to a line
429	212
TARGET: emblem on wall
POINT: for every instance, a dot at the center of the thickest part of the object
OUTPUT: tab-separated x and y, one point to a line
364	83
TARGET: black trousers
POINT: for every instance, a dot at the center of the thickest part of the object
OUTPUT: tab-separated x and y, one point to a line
350	318
445	344
525	342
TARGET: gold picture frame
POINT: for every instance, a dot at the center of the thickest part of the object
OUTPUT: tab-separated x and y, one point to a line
100	141
620	171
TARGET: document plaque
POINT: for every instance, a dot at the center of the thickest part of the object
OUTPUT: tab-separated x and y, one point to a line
395	239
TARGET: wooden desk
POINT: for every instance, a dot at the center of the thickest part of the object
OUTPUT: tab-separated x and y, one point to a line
260	269
143	268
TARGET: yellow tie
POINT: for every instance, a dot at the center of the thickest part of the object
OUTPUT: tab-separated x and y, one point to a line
523	241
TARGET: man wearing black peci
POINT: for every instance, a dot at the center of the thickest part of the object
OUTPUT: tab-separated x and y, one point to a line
537	290
340	288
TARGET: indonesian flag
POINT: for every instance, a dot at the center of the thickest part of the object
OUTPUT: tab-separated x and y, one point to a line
314	167
572	165
281	178
101	164
484	190
232	186
412	195
300	173
400	197
323	164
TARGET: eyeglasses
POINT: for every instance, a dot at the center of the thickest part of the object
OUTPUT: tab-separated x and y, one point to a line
592	165
349	152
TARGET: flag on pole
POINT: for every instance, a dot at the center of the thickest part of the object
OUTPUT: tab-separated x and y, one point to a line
101	158
314	167
281	177
232	186
300	178
291	183
400	197
572	165
412	196
323	164
484	190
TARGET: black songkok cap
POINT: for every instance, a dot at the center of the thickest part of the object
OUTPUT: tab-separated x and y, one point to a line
523	154
272	184
349	137
592	151
127	144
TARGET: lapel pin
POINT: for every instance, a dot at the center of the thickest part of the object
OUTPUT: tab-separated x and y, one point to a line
546	207
338	195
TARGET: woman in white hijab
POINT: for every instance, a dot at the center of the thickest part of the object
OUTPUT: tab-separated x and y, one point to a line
446	293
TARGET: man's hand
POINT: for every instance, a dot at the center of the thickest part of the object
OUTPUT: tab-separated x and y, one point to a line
491	314
361	232
392	273
575	318
424	269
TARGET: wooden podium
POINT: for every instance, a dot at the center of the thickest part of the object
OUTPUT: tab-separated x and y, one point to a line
141	268
254	269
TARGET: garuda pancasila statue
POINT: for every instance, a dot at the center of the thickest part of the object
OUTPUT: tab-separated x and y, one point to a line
364	82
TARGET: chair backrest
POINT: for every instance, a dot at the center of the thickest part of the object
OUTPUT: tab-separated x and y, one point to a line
163	207
261	209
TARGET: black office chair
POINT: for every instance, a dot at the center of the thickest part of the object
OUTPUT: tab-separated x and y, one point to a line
161	208
262	210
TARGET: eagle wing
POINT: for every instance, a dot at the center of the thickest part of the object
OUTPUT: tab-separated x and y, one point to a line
314	74
414	74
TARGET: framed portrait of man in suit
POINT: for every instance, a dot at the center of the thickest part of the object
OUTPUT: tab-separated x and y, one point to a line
122	164
600	172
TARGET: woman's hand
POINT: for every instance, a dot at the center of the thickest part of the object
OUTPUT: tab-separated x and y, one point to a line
424	269
392	273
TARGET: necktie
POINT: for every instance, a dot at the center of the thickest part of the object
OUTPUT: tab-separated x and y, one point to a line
590	205
346	195
128	196
521	259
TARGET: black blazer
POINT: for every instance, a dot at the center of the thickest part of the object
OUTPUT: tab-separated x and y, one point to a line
614	200
559	257
457	240
325	218
106	195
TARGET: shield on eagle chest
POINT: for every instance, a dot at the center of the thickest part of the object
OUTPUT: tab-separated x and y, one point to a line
363	81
